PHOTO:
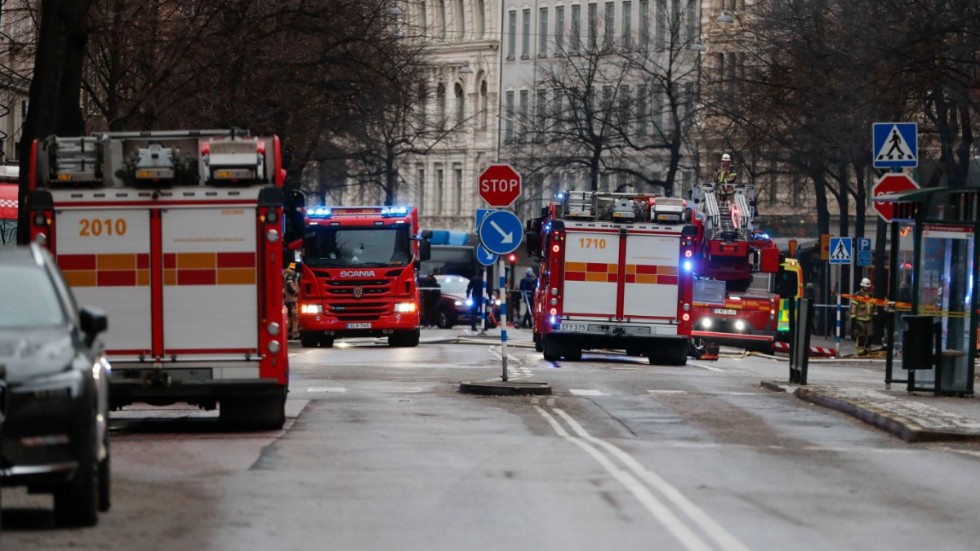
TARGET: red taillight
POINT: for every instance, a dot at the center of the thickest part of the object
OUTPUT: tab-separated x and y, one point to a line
686	317
555	248
205	148
260	147
688	253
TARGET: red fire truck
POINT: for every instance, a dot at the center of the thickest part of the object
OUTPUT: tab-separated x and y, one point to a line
358	279
615	273
177	235
733	299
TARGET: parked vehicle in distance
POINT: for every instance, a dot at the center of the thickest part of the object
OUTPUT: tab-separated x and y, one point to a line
454	307
55	436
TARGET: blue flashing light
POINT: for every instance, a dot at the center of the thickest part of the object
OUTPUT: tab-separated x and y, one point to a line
394	211
547	228
553	320
319	212
688	265
559	196
469	302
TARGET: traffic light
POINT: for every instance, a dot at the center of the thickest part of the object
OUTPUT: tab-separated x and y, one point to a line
512	259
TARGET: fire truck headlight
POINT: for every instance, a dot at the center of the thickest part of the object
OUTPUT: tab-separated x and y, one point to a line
706	323
274	346
739	325
272	236
273	328
405	307
310	308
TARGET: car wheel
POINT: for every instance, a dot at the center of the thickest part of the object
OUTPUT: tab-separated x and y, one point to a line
77	503
105	485
444	320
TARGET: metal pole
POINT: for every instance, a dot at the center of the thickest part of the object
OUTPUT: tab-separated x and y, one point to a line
483	299
503	319
837	330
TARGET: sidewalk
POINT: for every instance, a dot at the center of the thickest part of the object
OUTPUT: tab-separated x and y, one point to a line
862	393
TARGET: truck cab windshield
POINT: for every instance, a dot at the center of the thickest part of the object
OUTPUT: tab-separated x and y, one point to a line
335	247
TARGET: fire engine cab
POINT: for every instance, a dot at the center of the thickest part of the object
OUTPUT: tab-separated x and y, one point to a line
733	299
615	274
359	276
177	235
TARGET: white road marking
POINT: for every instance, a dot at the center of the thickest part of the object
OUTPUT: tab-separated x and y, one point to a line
587	392
326	389
666	391
708	525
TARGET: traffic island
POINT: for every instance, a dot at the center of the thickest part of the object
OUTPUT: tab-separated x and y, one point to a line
505	388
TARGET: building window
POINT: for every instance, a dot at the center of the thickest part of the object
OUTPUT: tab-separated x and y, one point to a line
423	18
559	29
509	118
420	182
523	117
642	111
660	31
441	106
525	33
692	22
570	181
556	109
460	20
658	111
442	19
624	109
440	190
576	38
511	34
543	32
542	110
458	192
593	26
644	24
481	19
610	27
628	24
460	104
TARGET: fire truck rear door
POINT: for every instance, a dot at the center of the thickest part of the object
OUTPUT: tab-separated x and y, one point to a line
650	262
591	272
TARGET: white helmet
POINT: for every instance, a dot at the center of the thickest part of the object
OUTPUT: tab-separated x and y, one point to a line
726	157
529	272
865	283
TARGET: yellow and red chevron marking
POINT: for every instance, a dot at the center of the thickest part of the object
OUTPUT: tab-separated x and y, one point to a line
609	273
133	269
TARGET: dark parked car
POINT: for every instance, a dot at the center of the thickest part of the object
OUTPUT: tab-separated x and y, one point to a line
55	436
454	307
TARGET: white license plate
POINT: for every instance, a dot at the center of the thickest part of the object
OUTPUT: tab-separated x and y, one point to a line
725	312
577	327
358	325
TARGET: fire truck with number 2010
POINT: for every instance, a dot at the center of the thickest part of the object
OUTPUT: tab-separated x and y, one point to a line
178	236
615	274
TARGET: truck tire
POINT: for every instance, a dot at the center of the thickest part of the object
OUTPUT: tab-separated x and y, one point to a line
552	352
308	339
253	412
538	346
404	339
325	342
572	353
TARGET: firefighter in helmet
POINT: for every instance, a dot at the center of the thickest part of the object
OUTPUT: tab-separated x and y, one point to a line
862	314
725	179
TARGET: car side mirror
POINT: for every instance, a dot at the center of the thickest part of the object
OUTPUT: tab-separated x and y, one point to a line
93	322
425	250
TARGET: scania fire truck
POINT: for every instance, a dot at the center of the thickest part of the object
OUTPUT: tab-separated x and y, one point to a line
733	299
359	276
176	234
615	274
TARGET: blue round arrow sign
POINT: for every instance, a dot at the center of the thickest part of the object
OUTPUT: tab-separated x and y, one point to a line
501	232
484	256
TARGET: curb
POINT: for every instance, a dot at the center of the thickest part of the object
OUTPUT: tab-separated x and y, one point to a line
505	388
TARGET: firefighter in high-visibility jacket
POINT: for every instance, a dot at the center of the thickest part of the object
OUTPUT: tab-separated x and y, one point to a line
862	314
725	179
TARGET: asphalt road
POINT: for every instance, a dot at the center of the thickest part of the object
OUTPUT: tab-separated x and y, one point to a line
382	452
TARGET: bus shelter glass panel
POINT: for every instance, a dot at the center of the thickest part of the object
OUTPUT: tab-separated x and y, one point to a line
945	291
902	295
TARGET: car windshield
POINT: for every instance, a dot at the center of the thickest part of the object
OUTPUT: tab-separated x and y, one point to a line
27	298
332	246
453	284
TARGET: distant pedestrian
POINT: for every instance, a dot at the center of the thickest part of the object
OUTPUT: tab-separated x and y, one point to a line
429	287
290	296
862	314
528	284
474	292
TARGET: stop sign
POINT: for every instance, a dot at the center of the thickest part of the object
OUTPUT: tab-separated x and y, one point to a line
890	183
499	185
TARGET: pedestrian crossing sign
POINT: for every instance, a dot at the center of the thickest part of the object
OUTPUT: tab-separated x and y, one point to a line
840	250
895	145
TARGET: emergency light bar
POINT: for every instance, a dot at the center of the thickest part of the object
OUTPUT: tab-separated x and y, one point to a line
329	212
319	212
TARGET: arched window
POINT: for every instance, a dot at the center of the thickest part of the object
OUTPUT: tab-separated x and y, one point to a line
441	106
460	104
484	105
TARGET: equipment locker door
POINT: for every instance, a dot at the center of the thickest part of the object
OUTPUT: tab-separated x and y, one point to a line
651	263
591	273
104	255
210	280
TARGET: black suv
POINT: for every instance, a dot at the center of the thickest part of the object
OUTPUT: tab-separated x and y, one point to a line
55	436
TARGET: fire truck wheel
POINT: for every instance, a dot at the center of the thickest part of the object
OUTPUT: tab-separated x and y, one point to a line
307	339
404	339
572	353
325	342
538	347
552	352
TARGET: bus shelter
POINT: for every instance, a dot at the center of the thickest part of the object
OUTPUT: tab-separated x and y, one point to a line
933	265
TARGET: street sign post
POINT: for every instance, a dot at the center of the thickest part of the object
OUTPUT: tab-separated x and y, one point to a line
499	185
501	232
890	183
895	145
840	250
863	251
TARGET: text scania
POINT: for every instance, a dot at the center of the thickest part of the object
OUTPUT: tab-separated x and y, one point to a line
357	273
